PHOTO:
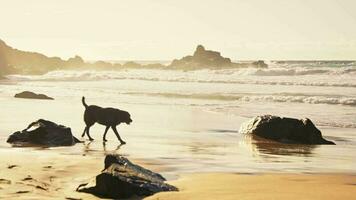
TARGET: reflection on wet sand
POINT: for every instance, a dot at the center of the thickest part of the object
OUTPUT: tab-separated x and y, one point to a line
88	150
264	146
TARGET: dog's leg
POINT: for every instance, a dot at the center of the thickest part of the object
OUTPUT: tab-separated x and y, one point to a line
117	135
104	136
88	134
85	130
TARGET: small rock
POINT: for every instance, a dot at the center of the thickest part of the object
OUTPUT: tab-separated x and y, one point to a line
32	95
4	181
22	191
28	178
11	166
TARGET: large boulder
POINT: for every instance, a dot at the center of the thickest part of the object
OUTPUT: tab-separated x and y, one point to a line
45	133
31	95
123	179
284	130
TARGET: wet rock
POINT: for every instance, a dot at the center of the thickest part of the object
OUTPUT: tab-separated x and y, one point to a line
4	181
284	130
31	95
117	159
45	133
11	166
123	179
22	192
260	64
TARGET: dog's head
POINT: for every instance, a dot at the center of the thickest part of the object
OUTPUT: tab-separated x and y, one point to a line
126	117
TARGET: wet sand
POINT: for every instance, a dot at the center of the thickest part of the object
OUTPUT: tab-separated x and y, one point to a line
228	186
49	175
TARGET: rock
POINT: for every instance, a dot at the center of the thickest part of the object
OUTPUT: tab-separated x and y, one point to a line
46	133
131	64
260	64
31	95
123	179
284	130
201	59
117	159
75	61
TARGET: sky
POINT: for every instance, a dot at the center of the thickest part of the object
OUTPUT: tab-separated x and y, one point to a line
167	29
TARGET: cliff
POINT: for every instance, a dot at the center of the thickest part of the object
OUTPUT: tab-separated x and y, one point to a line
23	62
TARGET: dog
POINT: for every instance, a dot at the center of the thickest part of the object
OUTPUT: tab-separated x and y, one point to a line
109	117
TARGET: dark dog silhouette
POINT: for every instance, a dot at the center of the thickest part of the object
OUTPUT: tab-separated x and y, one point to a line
109	117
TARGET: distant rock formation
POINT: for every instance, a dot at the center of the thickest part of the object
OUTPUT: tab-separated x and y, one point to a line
16	61
13	61
46	133
260	64
209	59
284	130
76	61
31	95
200	59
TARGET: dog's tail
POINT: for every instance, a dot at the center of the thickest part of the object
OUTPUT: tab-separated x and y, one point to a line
83	101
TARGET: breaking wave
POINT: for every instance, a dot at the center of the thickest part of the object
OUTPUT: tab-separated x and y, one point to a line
331	77
348	101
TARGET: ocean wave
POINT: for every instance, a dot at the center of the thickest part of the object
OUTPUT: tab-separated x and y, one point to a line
298	71
320	77
349	101
291	98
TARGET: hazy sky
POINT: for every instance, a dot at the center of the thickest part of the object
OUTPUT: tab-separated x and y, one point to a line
166	29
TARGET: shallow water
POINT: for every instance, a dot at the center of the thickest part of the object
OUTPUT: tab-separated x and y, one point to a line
190	124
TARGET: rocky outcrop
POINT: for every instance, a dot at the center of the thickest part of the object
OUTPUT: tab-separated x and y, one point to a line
260	64
45	133
76	61
203	58
31	95
284	130
123	179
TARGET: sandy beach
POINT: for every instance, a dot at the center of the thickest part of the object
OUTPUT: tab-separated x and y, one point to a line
262	186
49	175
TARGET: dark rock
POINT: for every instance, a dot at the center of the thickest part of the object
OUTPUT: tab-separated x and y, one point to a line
284	130
202	59
117	159
46	133
4	181
12	166
123	179
260	64
31	95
